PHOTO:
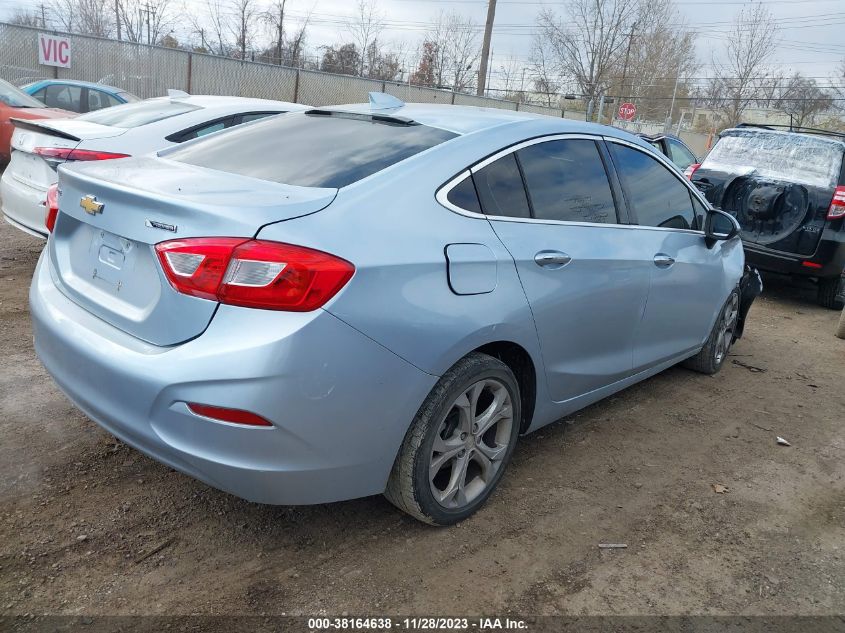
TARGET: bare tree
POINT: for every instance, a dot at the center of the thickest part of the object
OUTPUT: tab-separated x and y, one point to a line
342	60
146	20
802	99
275	18
213	26
661	59
546	77
244	24
25	17
89	17
365	27
738	78
449	53
587	42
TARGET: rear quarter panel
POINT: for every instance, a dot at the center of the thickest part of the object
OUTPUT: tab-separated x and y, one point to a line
395	233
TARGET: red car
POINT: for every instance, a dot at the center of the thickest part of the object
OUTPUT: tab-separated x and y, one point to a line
16	103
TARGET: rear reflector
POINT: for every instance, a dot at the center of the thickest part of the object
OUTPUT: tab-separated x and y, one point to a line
837	205
52	205
812	265
67	153
235	416
689	171
253	273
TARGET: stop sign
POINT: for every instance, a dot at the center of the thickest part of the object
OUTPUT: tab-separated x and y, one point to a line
627	111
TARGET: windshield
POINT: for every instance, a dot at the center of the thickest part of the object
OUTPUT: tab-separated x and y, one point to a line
312	150
15	98
131	115
778	155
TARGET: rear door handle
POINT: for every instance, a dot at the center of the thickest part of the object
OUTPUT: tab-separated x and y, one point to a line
552	259
662	260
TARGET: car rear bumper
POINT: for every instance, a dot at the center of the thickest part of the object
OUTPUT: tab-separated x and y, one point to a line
830	254
340	403
23	204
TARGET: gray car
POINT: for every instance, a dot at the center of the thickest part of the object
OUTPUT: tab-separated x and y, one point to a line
376	298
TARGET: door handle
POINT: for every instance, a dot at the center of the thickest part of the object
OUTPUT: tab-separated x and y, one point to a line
662	260
552	259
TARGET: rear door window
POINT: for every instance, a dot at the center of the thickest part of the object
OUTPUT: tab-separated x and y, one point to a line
500	188
97	100
656	195
679	154
63	97
567	181
312	149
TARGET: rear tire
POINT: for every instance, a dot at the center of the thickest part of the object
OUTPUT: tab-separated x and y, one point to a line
828	293
840	329
715	351
459	443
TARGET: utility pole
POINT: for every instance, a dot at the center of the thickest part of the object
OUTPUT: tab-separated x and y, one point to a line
489	72
43	16
627	55
117	18
668	124
485	48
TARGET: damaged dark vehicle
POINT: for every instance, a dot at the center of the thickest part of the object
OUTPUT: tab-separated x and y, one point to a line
787	191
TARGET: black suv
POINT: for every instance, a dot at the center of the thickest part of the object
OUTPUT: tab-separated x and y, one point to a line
787	189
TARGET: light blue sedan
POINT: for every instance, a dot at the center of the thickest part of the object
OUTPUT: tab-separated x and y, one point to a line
77	96
377	298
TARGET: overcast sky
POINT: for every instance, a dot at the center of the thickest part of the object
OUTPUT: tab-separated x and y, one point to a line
810	30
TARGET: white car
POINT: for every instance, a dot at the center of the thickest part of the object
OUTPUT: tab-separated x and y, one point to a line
39	147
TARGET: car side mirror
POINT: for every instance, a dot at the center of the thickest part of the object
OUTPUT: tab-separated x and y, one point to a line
719	226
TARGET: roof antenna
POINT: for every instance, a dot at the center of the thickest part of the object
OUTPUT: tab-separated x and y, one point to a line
177	94
383	101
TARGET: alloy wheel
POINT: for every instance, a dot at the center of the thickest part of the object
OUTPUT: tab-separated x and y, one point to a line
727	325
471	443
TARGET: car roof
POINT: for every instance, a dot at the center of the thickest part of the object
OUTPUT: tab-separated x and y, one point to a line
75	82
462	119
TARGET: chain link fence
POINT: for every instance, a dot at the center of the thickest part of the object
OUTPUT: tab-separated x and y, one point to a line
148	71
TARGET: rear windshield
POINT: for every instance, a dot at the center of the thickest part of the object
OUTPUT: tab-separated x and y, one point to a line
778	155
15	98
311	150
131	115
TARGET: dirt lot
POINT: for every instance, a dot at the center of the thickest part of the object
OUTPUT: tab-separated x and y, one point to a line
80	513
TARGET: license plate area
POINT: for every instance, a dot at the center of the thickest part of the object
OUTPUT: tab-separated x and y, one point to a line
111	253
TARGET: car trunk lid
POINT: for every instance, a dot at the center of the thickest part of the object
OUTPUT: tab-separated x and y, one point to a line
33	169
113	213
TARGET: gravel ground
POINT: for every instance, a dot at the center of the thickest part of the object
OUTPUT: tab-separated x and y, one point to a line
90	526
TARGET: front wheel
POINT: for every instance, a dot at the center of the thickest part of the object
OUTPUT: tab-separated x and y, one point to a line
712	356
459	443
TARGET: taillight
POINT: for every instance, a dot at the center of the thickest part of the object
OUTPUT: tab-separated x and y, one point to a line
690	170
52	205
235	416
55	154
837	205
253	273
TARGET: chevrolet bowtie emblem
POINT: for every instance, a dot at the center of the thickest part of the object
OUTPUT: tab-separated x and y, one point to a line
90	204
